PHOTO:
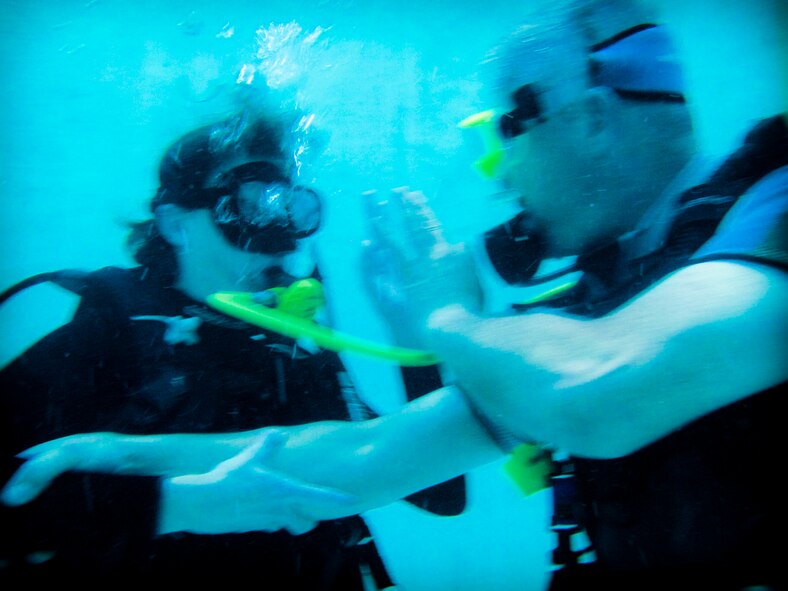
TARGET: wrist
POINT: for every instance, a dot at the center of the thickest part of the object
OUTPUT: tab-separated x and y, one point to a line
447	316
177	503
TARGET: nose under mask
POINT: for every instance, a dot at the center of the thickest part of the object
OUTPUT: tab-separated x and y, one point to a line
299	263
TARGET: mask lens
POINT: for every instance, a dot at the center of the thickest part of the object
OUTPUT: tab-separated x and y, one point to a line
261	203
305	209
509	126
528	110
260	211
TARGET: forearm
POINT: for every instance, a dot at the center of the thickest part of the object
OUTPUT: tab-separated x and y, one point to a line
606	387
428	441
593	388
519	370
166	455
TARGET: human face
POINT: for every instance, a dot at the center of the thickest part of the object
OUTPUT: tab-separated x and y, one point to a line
210	263
572	153
546	161
554	174
258	209
211	260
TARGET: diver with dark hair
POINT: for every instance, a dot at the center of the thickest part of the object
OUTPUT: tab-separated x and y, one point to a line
144	353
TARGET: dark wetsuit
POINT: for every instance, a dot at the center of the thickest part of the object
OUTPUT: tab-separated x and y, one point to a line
704	507
111	369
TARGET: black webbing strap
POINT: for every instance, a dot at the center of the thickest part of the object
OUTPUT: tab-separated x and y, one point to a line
565	522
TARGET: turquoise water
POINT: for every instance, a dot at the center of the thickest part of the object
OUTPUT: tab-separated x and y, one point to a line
95	89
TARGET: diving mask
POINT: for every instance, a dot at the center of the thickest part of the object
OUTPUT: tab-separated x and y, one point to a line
258	210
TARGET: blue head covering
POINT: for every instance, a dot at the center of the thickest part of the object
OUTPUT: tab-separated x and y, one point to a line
641	60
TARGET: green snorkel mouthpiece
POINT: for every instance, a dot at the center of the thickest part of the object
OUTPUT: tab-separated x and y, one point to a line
302	299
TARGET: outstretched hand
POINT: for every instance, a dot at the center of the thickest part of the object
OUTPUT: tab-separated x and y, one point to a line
89	452
216	483
241	494
410	268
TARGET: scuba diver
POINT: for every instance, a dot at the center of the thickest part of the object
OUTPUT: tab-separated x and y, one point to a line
656	381
145	353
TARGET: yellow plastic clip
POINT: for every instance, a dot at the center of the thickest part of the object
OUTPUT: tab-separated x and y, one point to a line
489	163
303	298
529	467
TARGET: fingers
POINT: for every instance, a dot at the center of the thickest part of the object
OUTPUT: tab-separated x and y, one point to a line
211	477
422	226
269	442
257	499
404	225
69	440
381	271
33	477
374	212
380	219
384	252
299	525
46	461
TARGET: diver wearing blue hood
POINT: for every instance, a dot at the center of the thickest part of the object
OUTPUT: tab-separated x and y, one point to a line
145	354
656	381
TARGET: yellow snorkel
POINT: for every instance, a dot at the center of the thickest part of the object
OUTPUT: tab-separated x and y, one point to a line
489	163
293	315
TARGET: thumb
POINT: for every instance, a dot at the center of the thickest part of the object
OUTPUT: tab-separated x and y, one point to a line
269	442
258	451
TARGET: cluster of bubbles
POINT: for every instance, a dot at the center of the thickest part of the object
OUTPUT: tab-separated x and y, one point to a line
282	55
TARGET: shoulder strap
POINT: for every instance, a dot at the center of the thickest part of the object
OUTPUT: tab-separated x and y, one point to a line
110	288
71	279
701	210
765	149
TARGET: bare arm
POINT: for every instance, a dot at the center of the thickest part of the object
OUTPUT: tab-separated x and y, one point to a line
373	463
277	477
428	441
704	337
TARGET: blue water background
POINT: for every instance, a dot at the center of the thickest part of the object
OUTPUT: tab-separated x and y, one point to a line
94	90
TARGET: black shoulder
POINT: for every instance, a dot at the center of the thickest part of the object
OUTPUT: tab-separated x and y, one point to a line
77	281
